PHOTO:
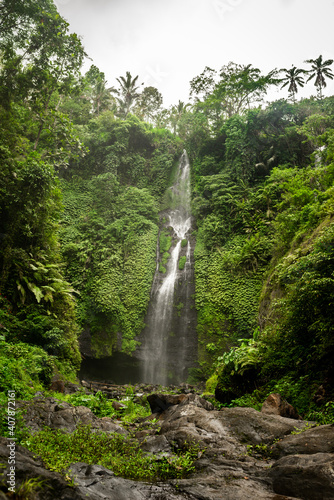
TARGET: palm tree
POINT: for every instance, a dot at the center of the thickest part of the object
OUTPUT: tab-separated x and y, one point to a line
127	93
96	91
293	78
176	113
102	97
320	70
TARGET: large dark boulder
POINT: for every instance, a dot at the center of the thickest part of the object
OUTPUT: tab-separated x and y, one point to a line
231	429
309	477
255	428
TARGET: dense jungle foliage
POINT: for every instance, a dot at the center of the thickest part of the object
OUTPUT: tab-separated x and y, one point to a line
84	169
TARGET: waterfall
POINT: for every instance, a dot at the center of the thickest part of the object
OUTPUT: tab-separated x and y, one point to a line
168	340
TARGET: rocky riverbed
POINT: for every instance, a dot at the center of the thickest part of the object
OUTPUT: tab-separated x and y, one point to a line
245	454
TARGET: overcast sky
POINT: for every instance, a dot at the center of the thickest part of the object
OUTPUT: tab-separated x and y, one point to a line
169	42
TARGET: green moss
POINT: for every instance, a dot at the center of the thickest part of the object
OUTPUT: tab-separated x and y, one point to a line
184	243
162	269
25	369
112	265
211	384
165	241
179	308
182	262
227	304
165	258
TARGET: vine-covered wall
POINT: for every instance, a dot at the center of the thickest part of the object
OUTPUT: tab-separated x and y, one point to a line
109	233
227	304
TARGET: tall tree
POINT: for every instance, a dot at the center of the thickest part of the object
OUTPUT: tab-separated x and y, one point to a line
148	104
294	79
320	71
41	61
234	91
127	93
176	113
99	94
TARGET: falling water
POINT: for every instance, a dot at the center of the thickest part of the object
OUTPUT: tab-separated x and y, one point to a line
168	341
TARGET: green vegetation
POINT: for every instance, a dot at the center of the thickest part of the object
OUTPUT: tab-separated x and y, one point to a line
182	262
165	241
114	451
264	256
103	407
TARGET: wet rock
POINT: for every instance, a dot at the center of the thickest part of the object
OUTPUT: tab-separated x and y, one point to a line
98	483
160	402
229	484
156	444
195	400
314	440
228	430
71	388
189	423
276	405
253	427
309	477
50	412
118	406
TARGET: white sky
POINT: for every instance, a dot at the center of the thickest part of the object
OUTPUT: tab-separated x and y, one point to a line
169	42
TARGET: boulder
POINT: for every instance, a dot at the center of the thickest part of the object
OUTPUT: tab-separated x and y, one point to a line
190	422
99	483
229	429
276	405
252	427
156	444
56	414
314	440
309	477
160	402
229	484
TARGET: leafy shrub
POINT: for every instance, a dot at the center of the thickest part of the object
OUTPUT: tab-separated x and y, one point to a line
103	407
114	451
322	416
24	368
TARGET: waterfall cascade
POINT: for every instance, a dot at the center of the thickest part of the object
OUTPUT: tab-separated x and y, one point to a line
169	339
